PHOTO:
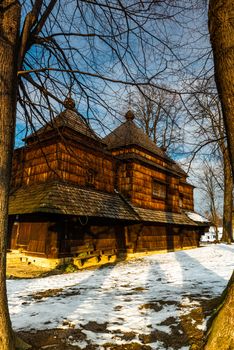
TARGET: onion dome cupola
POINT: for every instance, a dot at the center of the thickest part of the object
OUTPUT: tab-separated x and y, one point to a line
69	103
129	115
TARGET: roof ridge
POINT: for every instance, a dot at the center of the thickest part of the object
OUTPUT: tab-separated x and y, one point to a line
134	135
70	118
129	133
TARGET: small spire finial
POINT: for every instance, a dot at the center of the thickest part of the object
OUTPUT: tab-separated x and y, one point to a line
163	148
69	103
129	115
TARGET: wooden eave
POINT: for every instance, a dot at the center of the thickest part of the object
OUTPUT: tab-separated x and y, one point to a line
61	197
141	160
186	184
63	134
167	160
150	216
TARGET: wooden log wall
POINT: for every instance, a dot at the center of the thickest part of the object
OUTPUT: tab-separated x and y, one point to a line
58	160
135	182
87	241
186	196
75	163
152	237
34	164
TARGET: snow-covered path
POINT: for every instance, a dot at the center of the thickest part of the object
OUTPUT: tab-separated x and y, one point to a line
133	297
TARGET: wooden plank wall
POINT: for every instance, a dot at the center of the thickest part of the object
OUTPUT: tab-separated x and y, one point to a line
34	164
151	237
85	241
135	182
59	161
30	237
74	163
186	193
61	239
53	240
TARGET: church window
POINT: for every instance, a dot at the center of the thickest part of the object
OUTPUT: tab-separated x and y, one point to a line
90	177
159	189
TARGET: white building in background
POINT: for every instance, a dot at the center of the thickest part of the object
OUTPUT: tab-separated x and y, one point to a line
210	236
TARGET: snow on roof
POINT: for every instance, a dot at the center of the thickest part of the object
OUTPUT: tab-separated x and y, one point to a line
196	217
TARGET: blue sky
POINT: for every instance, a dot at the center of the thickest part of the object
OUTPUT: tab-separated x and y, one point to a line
175	53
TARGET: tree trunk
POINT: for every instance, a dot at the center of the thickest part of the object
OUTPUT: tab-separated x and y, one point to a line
228	198
9	37
222	40
216	233
220	336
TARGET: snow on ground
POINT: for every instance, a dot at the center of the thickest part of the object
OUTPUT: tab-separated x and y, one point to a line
131	296
210	236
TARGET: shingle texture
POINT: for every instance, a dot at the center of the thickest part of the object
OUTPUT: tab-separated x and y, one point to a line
128	134
172	168
71	119
149	215
64	198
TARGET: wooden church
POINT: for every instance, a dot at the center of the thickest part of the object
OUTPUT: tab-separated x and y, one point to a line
77	196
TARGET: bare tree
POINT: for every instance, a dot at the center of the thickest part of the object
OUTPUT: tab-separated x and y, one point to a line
94	49
222	39
49	48
207	119
157	112
9	29
210	188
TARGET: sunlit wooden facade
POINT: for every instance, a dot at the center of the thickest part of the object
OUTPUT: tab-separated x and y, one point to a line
77	195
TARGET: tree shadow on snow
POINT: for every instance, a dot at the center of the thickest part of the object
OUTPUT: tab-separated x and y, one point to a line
226	247
201	295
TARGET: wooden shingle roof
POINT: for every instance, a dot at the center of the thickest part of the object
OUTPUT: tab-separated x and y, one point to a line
66	198
150	215
57	197
129	134
71	119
